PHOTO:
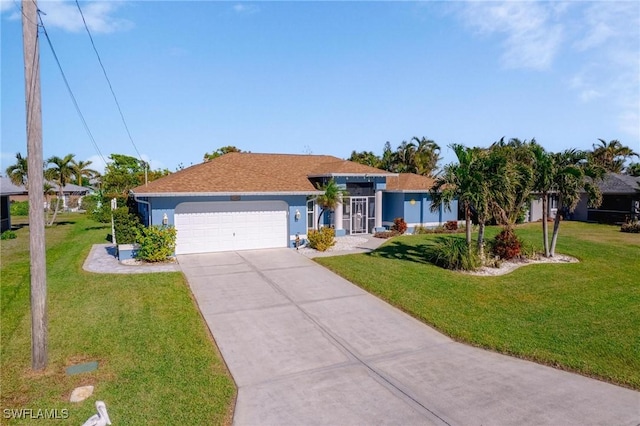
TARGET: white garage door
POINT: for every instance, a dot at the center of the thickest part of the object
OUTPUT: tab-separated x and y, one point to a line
225	226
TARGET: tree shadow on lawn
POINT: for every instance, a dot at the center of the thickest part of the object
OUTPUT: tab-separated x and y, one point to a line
400	251
92	228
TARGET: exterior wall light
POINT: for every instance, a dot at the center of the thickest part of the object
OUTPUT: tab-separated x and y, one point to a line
165	220
297	215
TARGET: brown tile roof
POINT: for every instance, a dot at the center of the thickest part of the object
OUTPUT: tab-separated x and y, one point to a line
255	173
409	182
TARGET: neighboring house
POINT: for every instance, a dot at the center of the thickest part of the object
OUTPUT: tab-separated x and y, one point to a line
72	195
620	201
244	201
7	189
534	214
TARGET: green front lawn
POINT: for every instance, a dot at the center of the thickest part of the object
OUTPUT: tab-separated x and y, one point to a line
157	362
583	317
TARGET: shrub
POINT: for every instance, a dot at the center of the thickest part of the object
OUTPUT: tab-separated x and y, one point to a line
157	243
451	225
528	251
97	208
420	229
127	226
453	253
19	208
321	240
632	227
386	234
399	225
506	245
8	235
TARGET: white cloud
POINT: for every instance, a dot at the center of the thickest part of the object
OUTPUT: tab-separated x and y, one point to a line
610	38
603	39
153	164
532	37
6	5
245	8
6	160
99	16
97	164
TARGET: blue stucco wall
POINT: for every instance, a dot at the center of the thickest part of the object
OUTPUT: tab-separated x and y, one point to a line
415	208
392	206
167	205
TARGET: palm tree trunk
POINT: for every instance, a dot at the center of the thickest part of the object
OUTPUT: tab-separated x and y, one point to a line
467	222
55	211
556	227
320	217
545	224
481	238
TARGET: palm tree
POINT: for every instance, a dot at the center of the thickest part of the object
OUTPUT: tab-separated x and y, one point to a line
427	156
368	158
48	190
404	159
61	174
574	172
516	161
81	168
543	184
633	169
612	155
331	198
18	172
480	182
457	181
493	190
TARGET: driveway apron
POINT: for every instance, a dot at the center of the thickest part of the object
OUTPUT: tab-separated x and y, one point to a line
307	347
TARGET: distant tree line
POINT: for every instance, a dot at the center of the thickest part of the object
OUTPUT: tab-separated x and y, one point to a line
122	174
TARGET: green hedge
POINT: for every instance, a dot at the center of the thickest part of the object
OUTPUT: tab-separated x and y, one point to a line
19	208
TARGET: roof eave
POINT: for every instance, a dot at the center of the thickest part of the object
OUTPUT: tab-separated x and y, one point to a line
382	174
221	194
407	190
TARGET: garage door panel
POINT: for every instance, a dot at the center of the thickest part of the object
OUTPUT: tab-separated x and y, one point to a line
230	226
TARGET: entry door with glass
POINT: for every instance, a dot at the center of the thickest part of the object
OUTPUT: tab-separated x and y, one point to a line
359	215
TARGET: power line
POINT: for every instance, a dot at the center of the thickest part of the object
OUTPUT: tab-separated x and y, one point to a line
66	82
104	71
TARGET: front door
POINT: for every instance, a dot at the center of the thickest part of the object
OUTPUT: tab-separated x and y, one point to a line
359	215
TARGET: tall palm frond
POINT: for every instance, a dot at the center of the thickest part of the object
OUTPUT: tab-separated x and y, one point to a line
18	171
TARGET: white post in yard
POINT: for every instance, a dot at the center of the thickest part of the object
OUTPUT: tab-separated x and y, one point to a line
378	209
337	217
114	205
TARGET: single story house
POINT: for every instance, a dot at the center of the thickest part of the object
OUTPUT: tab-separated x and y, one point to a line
72	195
534	213
244	201
7	189
620	201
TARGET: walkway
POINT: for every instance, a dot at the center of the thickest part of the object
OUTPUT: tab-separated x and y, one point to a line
307	347
102	259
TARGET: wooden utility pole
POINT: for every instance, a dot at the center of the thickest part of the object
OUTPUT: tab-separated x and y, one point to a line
35	177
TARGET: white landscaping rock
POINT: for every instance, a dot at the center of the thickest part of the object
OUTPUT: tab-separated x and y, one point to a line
81	393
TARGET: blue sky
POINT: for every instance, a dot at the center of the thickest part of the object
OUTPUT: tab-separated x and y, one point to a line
326	77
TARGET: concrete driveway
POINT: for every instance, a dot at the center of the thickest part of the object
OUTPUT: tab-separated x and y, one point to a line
307	347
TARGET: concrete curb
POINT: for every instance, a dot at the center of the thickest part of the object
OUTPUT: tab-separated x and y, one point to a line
102	260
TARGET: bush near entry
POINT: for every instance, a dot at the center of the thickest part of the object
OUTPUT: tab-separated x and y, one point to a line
157	243
321	240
